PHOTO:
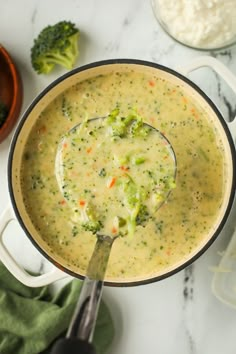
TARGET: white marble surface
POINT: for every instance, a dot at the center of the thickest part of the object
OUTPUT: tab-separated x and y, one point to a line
179	315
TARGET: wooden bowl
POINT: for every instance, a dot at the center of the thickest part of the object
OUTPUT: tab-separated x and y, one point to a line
11	91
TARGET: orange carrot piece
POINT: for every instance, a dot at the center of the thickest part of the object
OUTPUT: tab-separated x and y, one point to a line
124	168
82	202
114	230
112	182
151	83
168	252
89	150
62	202
194	113
42	129
152	119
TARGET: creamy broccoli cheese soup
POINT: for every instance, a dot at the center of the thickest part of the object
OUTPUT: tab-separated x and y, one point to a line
176	228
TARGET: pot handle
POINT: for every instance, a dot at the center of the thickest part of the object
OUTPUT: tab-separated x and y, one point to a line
220	69
10	263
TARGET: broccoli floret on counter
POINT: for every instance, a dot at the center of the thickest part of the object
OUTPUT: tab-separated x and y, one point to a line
56	44
3	113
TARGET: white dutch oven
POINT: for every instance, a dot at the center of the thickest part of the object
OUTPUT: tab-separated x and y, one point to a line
17	211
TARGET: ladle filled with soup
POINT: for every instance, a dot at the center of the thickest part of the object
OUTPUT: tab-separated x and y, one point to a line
115	173
189	219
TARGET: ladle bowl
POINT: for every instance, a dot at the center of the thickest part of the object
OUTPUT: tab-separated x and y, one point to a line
99	166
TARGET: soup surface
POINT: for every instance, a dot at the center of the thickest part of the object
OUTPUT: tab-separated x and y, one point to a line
184	219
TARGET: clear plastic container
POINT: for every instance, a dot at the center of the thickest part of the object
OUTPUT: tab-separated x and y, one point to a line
200	24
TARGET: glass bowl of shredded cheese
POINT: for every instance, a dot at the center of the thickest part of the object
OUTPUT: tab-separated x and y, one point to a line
200	24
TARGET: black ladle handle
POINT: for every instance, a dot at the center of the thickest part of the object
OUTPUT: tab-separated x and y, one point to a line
73	346
80	332
85	315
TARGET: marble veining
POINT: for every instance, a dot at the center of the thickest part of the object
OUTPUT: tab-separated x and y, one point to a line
188	298
33	16
230	106
225	96
188	284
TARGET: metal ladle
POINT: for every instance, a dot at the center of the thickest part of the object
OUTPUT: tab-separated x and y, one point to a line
80	333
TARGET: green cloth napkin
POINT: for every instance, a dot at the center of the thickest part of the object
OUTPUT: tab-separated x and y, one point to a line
32	318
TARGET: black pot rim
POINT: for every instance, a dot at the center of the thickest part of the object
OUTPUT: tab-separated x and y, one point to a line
141	63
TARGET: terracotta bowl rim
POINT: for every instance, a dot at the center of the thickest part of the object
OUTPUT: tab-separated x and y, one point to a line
17	95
